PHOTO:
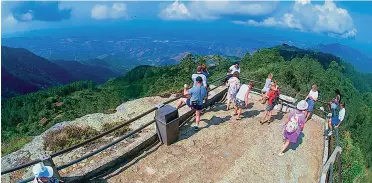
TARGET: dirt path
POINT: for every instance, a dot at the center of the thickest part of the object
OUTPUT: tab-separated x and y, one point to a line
226	150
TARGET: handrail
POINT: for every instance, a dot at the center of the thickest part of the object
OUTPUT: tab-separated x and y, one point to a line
97	136
105	133
102	148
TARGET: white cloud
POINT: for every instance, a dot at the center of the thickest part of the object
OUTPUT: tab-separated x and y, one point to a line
304	16
176	11
207	10
27	16
9	21
116	11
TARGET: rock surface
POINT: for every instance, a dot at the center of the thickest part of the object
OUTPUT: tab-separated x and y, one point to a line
227	150
124	112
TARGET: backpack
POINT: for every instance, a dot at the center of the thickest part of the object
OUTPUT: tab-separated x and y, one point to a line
276	98
292	125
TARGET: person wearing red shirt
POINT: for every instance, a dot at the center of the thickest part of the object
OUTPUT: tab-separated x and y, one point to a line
271	95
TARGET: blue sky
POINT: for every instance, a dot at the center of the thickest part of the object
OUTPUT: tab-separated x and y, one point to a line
341	21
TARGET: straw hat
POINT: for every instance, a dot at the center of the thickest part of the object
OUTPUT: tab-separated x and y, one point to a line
302	105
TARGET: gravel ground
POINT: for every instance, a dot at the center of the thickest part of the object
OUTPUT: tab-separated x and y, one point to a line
227	150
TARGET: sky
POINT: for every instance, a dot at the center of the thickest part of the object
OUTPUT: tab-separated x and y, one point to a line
342	21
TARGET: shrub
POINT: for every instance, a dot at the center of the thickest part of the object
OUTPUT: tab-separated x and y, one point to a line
119	132
11	146
68	136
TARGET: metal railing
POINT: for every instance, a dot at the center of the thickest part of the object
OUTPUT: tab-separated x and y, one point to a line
95	138
124	137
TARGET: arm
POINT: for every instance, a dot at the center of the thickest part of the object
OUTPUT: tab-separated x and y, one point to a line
246	98
338	124
185	91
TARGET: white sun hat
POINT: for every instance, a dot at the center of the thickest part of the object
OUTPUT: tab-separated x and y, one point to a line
302	105
40	170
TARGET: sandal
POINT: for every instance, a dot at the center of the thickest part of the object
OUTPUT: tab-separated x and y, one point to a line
238	118
235	114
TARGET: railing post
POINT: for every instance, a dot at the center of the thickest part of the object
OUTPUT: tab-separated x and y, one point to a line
330	178
339	168
48	161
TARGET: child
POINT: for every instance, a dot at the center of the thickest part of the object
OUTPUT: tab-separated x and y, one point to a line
272	95
242	99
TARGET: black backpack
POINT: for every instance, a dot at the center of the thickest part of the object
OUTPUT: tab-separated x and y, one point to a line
276	98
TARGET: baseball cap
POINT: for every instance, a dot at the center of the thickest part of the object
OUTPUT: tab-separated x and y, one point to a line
40	170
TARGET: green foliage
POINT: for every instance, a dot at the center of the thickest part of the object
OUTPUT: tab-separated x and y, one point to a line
116	133
19	142
67	136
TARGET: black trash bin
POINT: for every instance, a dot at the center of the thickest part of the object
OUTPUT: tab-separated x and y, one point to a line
167	124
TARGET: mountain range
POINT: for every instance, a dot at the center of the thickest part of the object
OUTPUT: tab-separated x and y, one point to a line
24	72
360	61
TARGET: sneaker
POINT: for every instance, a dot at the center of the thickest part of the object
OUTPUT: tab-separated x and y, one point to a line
196	128
330	133
281	154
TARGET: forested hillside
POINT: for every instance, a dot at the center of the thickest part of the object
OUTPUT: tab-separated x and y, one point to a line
293	68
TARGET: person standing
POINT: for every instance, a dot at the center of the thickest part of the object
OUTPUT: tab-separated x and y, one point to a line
199	74
273	97
233	86
242	99
293	127
44	174
311	98
335	121
197	93
334	103
266	88
234	68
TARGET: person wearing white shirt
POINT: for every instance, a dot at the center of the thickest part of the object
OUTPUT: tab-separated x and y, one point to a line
311	98
335	121
234	68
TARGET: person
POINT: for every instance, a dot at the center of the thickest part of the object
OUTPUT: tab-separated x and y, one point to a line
242	99
197	93
266	88
199	74
294	125
44	174
205	71
333	104
234	68
272	96
233	86
335	121
311	98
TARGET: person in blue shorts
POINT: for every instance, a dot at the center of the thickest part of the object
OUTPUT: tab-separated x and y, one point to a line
197	94
311	98
335	121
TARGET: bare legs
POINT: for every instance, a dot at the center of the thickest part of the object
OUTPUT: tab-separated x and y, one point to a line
180	102
228	104
197	117
267	113
307	115
285	146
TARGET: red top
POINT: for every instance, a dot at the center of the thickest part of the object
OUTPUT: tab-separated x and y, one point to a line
271	96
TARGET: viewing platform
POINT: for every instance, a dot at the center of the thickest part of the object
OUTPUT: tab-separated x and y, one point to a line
229	150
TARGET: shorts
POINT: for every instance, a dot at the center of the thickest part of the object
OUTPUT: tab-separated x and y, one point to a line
196	107
311	104
240	103
265	89
269	107
335	121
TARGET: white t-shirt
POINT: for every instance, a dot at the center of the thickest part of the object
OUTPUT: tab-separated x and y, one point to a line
234	69
341	114
194	76
313	94
242	91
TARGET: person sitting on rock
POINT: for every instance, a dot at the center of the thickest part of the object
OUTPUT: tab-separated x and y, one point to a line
197	93
44	174
241	100
293	127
